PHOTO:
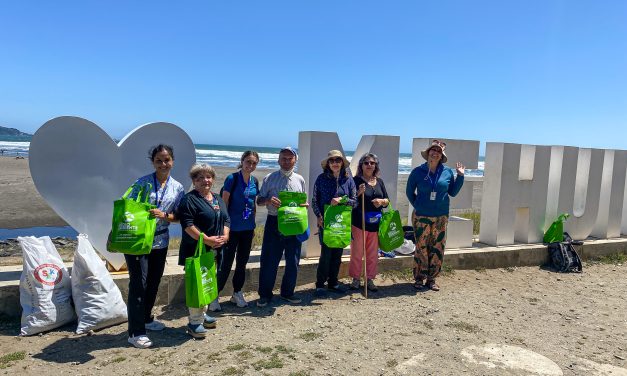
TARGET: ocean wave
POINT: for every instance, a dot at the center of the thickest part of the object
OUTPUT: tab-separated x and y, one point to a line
231	158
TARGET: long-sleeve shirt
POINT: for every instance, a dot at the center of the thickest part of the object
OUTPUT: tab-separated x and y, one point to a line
328	187
421	183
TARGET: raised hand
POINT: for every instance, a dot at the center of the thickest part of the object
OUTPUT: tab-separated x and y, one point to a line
460	168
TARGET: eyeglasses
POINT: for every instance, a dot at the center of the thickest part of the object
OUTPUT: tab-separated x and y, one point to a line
336	160
370	163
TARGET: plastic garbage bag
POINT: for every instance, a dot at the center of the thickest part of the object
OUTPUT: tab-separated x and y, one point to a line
97	299
45	288
407	248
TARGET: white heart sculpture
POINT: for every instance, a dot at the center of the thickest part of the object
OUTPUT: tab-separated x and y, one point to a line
79	170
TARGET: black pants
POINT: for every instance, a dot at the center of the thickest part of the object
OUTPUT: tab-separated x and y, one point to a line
328	265
144	274
238	249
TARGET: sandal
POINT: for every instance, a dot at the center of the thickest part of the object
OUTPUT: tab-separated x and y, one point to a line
433	286
419	284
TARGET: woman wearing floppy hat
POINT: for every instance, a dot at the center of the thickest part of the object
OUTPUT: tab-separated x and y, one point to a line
331	185
428	189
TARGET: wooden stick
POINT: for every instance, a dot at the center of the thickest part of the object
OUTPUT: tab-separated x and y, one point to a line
363	238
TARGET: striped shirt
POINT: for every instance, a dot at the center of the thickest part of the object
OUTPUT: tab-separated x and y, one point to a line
276	182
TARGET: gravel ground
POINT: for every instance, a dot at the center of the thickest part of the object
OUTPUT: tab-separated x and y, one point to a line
515	321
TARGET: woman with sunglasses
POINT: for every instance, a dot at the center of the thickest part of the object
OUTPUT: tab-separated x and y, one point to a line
375	199
429	187
331	185
239	193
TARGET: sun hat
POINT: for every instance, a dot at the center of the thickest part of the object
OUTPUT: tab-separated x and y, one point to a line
334	154
435	144
289	149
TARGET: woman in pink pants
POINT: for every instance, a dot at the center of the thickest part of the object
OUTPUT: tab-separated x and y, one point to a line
375	199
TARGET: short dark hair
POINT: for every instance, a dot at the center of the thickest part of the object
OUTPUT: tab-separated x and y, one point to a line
158	149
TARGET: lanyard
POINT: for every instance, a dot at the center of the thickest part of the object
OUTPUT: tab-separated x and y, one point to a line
436	175
246	186
154	179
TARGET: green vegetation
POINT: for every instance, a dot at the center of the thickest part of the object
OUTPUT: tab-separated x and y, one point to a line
236	347
283	350
232	371
476	219
447	270
398	275
244	355
614	259
264	349
299	373
273	362
8	359
310	336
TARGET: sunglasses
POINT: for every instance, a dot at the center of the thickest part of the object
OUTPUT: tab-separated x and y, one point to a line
336	160
370	163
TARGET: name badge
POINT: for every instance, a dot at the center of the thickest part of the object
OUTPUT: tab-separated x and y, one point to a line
432	198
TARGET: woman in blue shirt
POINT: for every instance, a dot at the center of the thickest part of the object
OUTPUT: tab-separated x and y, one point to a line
239	194
145	271
428	189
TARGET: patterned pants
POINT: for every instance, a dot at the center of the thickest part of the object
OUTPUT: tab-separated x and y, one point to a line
430	235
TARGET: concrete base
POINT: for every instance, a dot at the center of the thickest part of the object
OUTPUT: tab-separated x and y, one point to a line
172	289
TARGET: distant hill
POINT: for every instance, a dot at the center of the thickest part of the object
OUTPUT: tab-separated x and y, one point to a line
12	134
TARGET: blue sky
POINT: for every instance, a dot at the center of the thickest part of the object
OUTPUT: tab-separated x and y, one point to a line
255	73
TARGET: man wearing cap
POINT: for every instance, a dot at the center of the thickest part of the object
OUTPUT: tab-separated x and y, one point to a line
274	244
428	189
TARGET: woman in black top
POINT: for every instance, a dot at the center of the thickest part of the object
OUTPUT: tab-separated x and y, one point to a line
203	211
375	199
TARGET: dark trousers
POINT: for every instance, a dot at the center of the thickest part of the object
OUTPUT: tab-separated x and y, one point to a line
328	265
238	249
144	272
272	249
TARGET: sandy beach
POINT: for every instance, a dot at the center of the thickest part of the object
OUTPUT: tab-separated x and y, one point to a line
21	205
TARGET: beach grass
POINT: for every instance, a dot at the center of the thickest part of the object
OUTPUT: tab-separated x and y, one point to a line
475	216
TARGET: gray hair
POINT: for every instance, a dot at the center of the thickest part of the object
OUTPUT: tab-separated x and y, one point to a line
201	168
360	170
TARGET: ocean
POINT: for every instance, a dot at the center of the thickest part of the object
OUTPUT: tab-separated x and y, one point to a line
229	156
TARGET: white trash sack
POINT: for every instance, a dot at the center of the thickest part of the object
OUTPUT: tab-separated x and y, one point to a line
45	288
97	299
407	248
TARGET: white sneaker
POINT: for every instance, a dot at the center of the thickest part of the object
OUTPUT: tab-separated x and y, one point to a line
238	298
141	342
155	326
215	306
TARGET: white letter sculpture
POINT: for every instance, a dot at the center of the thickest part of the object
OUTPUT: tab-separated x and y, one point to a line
79	170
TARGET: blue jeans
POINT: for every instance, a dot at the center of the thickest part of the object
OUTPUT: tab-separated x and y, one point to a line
272	249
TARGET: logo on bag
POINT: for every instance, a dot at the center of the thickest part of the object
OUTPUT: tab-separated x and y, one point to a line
392	226
339	218
48	274
128	217
292	204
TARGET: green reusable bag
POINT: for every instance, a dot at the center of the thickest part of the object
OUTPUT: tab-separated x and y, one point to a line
132	228
201	282
555	232
337	226
292	217
391	234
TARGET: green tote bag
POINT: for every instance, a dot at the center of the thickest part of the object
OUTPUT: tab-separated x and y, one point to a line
391	234
201	282
337	226
132	228
291	216
555	232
